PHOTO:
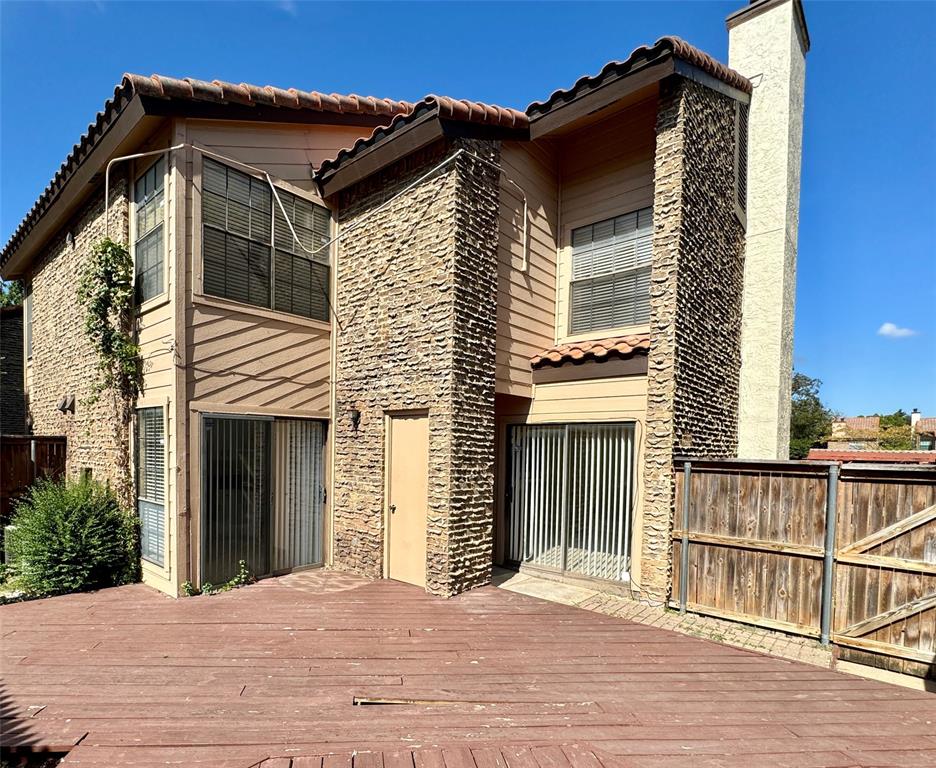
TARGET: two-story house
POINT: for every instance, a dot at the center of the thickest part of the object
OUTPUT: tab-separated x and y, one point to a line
415	339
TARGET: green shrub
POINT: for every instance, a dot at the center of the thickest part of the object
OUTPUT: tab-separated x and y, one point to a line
72	536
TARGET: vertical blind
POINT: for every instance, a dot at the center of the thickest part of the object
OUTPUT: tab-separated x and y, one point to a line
262	495
148	246
611	272
570	498
151	483
235	497
249	252
298	519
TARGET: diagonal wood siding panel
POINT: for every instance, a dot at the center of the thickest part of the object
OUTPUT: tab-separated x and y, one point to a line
242	358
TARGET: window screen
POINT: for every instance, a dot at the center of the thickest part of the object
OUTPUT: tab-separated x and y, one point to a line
611	272
151	483
249	253
149	199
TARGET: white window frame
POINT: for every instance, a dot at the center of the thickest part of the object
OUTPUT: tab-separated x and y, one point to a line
163	296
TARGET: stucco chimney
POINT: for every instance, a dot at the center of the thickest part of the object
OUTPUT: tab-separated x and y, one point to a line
767	43
914	419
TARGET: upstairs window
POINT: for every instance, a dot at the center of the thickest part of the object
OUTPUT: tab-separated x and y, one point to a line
149	242
611	273
249	252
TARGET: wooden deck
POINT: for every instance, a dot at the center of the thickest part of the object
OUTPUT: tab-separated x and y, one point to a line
269	674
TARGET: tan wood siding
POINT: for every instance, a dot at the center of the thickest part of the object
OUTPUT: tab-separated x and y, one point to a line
526	299
157	335
595	400
606	170
240	358
288	152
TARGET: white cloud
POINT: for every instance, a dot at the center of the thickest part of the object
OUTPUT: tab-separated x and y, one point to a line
894	331
288	6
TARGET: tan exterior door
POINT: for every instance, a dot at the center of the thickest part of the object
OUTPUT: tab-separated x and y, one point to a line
407	497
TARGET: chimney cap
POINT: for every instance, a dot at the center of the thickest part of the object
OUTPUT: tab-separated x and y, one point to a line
757	7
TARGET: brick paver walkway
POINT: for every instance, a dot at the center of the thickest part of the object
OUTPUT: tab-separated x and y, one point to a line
744	636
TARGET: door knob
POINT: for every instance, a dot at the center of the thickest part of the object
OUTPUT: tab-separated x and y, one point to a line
393	509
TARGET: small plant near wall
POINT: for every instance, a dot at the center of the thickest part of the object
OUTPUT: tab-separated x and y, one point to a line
105	290
242	578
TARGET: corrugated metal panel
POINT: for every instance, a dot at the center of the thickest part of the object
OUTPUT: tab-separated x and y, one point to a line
571	490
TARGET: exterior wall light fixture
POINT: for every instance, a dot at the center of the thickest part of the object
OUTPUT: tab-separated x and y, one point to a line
355	418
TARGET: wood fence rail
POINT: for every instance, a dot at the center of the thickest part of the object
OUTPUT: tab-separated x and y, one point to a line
845	553
24	459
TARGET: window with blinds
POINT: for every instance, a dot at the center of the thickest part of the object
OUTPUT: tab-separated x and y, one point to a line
148	244
610	285
151	483
249	252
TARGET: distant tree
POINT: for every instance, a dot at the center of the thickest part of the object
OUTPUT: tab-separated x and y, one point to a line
11	293
810	420
896	419
895	433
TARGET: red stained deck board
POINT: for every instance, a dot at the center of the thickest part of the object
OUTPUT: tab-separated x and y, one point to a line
266	676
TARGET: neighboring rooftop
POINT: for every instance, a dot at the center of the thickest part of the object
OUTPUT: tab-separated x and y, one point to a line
925	426
874	456
860	423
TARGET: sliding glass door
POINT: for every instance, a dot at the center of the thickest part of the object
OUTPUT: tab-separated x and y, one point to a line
262	495
570	497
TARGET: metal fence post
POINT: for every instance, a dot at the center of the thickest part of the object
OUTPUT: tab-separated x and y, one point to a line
828	561
684	544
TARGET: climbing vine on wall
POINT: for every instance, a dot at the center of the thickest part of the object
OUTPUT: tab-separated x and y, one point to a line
105	289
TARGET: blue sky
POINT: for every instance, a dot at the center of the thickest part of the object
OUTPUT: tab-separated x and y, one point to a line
867	255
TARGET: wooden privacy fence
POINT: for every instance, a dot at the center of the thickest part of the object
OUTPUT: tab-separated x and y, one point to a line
23	459
844	553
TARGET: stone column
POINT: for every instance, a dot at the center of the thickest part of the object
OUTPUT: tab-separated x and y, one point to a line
695	300
416	301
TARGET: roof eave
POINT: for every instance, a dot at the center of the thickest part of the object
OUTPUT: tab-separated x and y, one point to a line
53	213
617	88
405	140
586	102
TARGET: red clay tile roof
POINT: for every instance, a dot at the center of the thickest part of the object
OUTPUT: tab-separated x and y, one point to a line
189	89
862	423
601	349
879	457
926	425
642	55
446	108
220	92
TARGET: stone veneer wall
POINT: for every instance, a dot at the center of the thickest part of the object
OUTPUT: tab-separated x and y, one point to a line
12	359
696	295
417	307
63	362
